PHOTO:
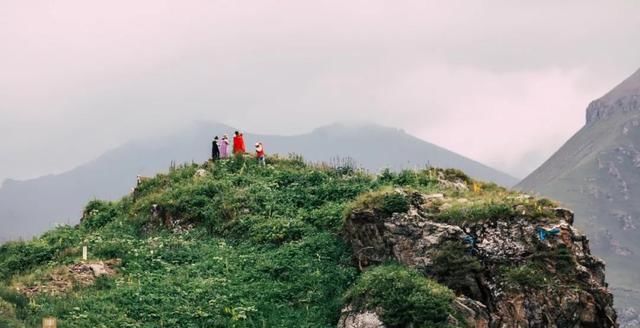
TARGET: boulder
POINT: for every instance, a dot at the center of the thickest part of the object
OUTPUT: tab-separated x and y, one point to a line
367	319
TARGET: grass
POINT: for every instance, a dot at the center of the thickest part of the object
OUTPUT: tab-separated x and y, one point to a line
260	247
407	297
526	276
495	204
383	202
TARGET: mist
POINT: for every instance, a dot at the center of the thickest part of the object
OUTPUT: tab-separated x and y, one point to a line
502	82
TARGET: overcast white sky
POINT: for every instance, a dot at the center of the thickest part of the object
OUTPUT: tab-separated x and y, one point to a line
504	82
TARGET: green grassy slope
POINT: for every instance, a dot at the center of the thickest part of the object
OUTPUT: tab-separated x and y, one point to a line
241	246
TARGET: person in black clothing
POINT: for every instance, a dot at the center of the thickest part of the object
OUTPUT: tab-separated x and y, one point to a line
215	151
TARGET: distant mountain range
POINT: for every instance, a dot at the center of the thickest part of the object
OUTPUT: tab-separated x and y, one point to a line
30	207
597	173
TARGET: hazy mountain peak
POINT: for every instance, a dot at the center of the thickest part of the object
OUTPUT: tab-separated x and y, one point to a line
623	98
355	128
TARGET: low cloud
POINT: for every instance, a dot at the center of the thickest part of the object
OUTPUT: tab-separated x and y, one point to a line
502	82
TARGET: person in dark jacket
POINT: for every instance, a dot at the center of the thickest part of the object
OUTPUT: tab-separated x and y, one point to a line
215	150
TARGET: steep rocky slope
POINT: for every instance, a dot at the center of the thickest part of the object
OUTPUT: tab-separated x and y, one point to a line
235	244
505	274
597	173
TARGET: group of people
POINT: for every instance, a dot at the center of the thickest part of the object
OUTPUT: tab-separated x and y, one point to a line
220	148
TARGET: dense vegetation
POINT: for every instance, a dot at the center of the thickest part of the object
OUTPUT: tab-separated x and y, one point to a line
404	294
235	245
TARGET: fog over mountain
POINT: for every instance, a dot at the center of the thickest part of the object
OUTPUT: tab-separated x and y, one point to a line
499	81
597	173
30	207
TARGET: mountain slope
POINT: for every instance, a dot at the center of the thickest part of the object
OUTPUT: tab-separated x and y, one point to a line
597	173
236	244
39	203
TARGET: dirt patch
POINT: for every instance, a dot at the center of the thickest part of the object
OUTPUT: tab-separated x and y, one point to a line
63	279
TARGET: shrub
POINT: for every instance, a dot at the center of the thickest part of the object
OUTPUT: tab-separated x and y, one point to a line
404	297
10	323
455	268
407	178
387	177
343	166
98	213
327	217
237	163
565	262
21	256
104	282
14	302
560	258
277	230
456	175
7	310
62	237
384	202
111	249
525	276
545	202
394	203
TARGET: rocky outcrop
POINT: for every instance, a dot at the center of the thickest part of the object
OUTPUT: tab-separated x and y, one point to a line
623	98
601	109
573	293
354	319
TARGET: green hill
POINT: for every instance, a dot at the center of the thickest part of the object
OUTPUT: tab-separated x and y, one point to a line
61	197
233	244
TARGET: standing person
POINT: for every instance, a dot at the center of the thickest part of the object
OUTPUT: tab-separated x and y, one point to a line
215	151
260	154
237	143
243	148
224	147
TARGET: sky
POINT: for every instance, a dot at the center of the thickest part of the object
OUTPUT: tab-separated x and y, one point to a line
503	82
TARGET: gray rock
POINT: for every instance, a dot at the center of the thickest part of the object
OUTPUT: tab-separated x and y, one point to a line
413	239
366	319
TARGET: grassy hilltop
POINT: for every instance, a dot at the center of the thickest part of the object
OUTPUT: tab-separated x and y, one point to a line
232	244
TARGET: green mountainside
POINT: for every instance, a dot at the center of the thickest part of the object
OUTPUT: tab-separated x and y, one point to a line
234	244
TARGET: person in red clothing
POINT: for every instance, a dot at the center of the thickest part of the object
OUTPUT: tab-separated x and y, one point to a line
238	144
243	148
260	154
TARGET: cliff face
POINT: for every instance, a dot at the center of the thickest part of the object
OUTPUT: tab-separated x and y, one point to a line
504	275
624	98
596	174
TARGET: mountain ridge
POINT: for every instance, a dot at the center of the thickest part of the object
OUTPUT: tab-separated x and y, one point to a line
624	97
59	198
596	172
